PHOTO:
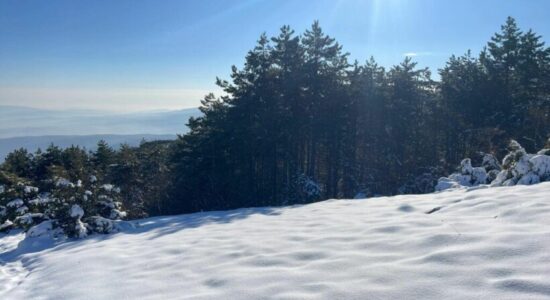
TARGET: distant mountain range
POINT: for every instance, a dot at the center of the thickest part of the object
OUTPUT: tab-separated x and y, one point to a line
37	128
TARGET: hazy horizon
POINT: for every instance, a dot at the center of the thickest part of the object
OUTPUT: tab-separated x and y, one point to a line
108	110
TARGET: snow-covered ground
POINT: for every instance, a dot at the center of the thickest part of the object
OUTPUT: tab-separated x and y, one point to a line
491	243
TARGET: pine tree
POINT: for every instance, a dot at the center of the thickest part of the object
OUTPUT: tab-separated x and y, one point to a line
19	163
102	158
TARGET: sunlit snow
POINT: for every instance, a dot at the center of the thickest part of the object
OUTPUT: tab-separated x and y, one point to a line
489	243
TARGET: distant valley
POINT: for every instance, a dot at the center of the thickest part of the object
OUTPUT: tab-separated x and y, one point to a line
36	128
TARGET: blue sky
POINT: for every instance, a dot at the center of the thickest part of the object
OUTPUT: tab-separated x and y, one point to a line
146	55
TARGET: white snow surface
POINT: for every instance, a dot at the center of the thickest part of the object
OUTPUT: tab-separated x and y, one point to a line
485	243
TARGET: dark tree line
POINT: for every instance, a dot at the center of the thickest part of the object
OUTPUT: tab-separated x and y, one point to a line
298	108
299	123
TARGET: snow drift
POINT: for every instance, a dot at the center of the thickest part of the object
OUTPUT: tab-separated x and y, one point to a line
488	243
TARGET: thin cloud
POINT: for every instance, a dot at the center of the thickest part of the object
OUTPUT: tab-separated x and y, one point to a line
414	54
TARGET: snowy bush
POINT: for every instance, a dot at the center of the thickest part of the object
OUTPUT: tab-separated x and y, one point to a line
75	208
467	175
518	167
303	189
423	183
17	208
